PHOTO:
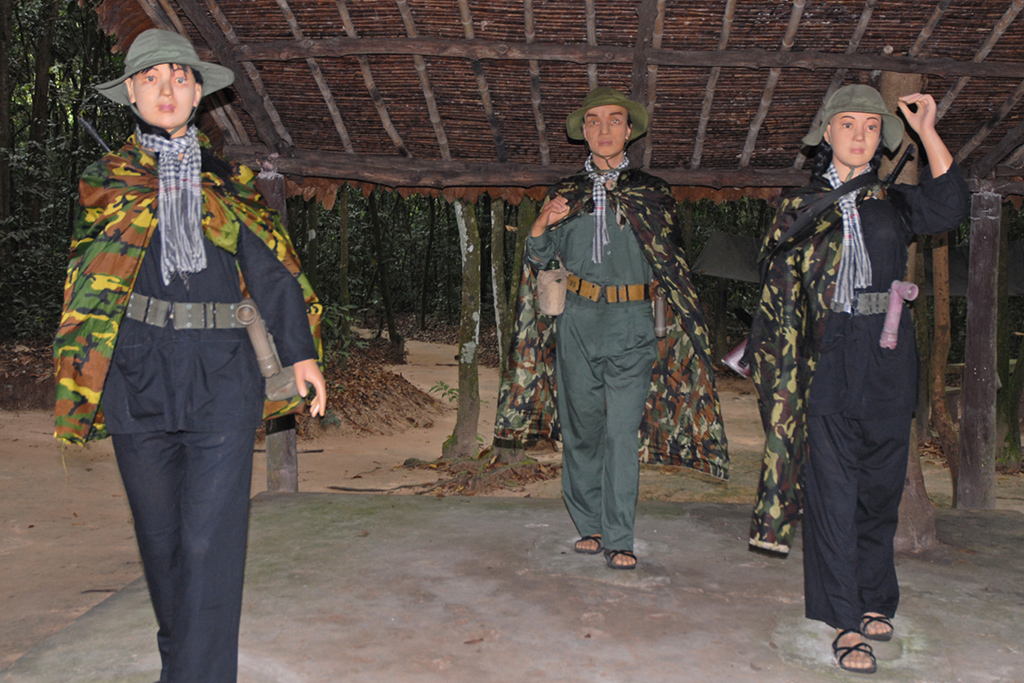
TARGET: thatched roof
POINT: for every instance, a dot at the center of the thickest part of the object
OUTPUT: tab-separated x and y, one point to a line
474	94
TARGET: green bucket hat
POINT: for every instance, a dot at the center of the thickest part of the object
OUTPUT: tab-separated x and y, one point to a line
864	99
601	96
155	46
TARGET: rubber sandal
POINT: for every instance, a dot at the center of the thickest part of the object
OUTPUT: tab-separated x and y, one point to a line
869	619
586	551
610	555
843	651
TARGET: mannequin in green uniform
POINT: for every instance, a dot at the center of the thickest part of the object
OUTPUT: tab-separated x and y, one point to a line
605	350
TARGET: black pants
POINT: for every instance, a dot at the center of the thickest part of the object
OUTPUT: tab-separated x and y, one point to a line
189	495
853	484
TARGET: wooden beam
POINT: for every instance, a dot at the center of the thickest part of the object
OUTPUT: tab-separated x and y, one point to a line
535	93
259	107
978	444
748	58
773	79
647	14
428	92
318	78
929	27
840	75
591	14
371	84
481	83
1011	141
712	84
393	171
997	32
986	129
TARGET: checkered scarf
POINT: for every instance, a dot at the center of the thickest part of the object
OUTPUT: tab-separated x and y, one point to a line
179	203
600	196
854	262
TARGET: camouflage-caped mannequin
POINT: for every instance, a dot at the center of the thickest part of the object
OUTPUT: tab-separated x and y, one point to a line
836	406
167	229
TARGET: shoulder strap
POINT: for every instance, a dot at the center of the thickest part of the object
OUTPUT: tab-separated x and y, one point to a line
826	200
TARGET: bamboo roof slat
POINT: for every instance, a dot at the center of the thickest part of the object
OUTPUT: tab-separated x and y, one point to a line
433	93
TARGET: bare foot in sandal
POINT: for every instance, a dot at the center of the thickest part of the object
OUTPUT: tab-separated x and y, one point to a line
852	653
876	626
588	545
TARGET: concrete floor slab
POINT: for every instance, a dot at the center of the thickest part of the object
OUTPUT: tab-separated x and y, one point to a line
409	589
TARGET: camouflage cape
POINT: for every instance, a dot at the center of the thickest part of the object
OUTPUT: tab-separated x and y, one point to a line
798	280
682	422
117	215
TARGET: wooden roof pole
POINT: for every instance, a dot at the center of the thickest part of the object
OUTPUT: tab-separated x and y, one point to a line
746	58
592	41
535	94
481	83
712	84
254	100
1011	141
987	128
997	32
773	80
223	113
371	85
650	78
840	74
318	77
428	91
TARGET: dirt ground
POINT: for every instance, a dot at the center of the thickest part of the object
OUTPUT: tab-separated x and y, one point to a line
66	540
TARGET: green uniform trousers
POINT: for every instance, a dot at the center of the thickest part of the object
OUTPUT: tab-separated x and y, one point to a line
605	353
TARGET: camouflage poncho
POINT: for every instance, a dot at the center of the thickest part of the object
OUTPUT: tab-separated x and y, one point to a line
798	281
682	422
116	219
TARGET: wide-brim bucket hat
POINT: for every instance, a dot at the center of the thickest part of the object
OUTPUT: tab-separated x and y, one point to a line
602	96
863	99
155	46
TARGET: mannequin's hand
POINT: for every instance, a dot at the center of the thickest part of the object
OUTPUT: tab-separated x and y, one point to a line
308	371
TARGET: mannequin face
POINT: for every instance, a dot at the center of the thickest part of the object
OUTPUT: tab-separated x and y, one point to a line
854	137
606	130
165	94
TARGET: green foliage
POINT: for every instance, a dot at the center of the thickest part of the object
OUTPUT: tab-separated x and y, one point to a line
445	391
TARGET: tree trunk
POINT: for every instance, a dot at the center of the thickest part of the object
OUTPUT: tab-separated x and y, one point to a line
309	261
425	289
976	481
924	342
942	423
41	100
397	343
498	286
6	143
344	296
462	443
916	530
1014	394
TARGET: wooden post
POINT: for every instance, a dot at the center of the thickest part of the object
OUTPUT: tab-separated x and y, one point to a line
282	451
976	485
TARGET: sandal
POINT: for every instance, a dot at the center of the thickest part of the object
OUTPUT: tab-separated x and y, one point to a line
610	555
596	538
869	619
843	651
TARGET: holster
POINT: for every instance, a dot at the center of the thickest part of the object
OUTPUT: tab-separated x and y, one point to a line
280	382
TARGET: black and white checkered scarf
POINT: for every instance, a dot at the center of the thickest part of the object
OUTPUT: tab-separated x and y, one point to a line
854	262
179	203
600	196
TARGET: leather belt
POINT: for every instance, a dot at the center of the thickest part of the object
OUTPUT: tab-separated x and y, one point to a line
184	315
613	294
